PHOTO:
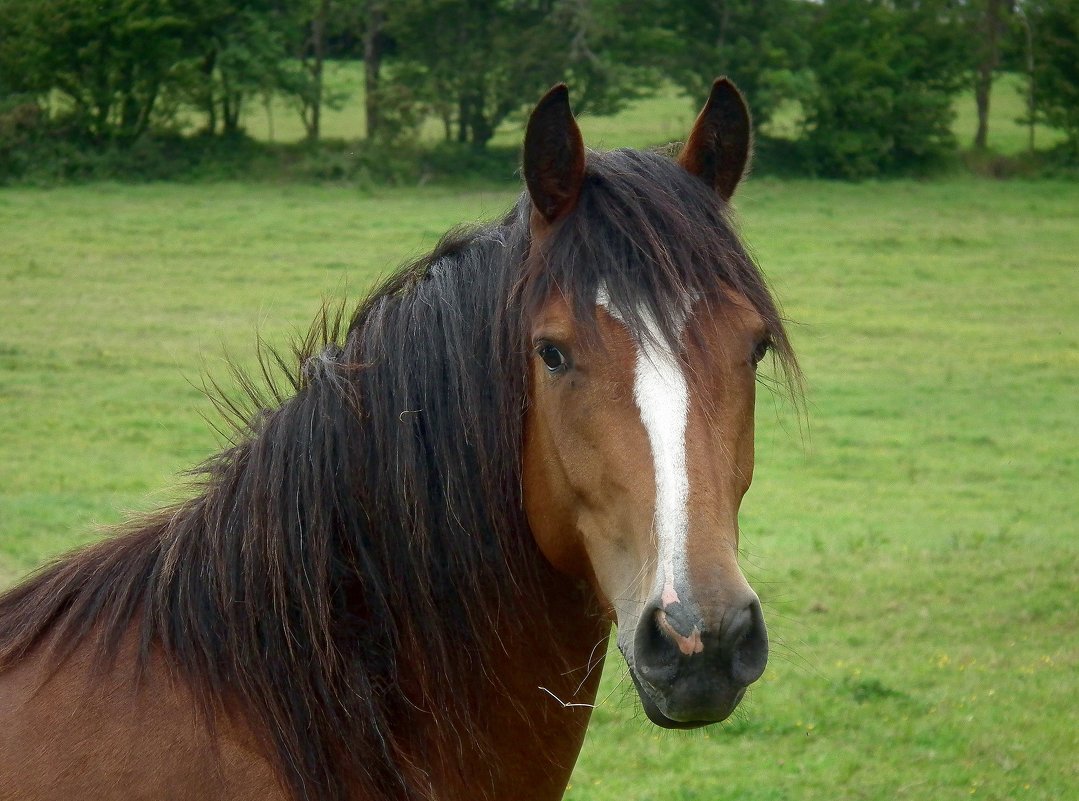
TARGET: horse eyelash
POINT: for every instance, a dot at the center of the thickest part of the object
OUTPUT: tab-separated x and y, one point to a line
761	350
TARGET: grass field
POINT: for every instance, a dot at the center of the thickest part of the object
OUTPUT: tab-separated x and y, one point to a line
915	542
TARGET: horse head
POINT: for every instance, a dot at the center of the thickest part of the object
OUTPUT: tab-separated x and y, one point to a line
647	322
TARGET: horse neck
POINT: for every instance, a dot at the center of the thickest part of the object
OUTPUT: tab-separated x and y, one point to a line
547	653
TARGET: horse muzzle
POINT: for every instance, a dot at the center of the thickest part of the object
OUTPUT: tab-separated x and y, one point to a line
688	674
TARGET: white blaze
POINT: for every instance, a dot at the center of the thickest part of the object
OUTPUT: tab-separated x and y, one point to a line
662	396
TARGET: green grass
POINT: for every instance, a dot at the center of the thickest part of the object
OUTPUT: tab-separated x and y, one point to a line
663	118
916	549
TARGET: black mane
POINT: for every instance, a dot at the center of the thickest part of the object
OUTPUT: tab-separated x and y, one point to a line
347	534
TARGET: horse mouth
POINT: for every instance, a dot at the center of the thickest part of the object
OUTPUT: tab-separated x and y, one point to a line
657	708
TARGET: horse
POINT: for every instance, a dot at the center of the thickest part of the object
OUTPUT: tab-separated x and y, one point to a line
399	579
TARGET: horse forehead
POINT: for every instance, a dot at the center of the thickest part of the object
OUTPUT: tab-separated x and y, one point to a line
556	310
727	316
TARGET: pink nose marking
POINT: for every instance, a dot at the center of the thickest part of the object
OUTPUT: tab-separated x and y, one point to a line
669	596
687	645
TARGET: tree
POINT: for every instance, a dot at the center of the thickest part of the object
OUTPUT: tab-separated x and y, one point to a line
313	58
1054	26
316	25
236	51
110	59
884	77
476	62
990	26
760	44
374	20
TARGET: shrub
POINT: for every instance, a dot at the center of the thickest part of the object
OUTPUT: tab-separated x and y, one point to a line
1055	31
883	79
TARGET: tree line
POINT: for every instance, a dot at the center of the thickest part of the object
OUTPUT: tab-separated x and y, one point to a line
873	80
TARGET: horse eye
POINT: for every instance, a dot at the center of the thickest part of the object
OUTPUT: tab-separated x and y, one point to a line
552	357
760	351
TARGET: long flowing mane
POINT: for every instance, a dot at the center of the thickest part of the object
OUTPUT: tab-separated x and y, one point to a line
339	573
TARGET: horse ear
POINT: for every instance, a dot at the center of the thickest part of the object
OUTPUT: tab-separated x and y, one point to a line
554	156
718	147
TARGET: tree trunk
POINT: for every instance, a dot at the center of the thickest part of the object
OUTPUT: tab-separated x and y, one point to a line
142	124
318	43
267	102
482	131
463	115
372	64
231	115
1031	102
481	126
982	84
129	103
208	65
987	64
231	103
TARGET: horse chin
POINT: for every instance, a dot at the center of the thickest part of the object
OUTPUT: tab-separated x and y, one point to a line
653	708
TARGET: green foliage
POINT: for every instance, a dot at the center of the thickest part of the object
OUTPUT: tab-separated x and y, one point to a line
22	123
402	109
236	54
122	66
884	75
1055	28
110	59
244	52
33	151
863	87
474	63
760	44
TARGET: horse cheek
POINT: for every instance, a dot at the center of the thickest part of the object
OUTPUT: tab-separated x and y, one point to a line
548	499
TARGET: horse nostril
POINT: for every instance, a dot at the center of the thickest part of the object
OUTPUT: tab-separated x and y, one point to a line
746	639
655	655
668	643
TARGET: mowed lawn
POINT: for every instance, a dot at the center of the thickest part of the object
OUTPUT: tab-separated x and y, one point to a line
913	536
